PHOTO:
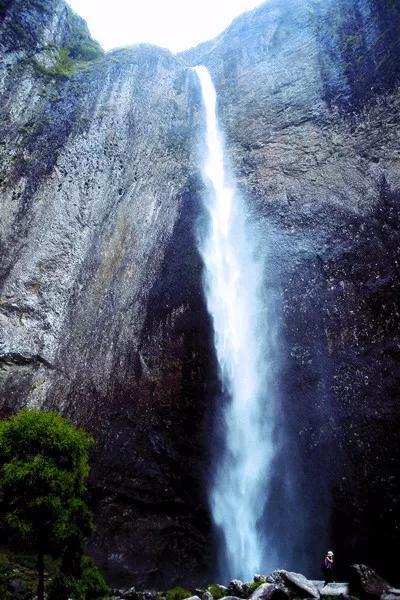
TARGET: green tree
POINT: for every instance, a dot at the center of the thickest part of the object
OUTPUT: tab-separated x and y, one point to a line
89	586
43	472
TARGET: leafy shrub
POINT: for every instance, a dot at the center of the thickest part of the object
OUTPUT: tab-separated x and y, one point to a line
178	593
90	586
5	576
251	587
217	591
85	50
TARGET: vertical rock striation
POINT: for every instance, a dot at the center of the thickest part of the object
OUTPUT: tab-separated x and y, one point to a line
101	309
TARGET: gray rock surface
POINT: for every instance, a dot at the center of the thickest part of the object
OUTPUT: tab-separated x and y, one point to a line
270	591
391	594
295	583
101	311
236	587
332	589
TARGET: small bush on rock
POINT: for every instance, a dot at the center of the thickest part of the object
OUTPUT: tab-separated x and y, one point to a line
251	587
217	591
178	593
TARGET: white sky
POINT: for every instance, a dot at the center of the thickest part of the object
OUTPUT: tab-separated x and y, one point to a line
173	24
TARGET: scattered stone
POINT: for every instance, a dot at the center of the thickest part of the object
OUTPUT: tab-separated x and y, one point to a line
236	587
391	594
366	583
270	591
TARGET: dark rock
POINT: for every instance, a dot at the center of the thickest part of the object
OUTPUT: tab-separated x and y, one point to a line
18	587
366	583
270	591
236	587
131	594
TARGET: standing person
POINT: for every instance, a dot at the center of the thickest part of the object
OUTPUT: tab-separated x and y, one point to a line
327	568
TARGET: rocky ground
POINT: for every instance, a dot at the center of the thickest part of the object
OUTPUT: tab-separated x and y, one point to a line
365	584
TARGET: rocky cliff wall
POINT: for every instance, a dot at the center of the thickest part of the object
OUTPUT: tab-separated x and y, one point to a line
101	312
309	101
101	309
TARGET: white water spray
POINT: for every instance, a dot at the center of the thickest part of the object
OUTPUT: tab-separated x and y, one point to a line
234	286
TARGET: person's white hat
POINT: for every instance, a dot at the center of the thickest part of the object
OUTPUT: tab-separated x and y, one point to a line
330	553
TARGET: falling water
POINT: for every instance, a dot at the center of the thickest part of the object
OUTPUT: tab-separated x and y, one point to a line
234	288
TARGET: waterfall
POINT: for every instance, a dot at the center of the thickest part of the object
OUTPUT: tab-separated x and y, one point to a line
243	337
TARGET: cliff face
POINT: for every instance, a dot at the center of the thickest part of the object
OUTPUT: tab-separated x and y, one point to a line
101	309
101	312
309	102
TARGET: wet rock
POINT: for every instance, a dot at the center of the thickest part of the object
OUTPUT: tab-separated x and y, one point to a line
332	589
236	587
391	594
206	596
364	582
131	594
295	583
270	591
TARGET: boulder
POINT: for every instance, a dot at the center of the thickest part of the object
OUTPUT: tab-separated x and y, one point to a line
236	587
18	587
295	584
333	589
391	594
193	598
206	596
259	578
270	591
365	583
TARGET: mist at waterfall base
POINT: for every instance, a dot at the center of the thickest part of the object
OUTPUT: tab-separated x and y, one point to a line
266	511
